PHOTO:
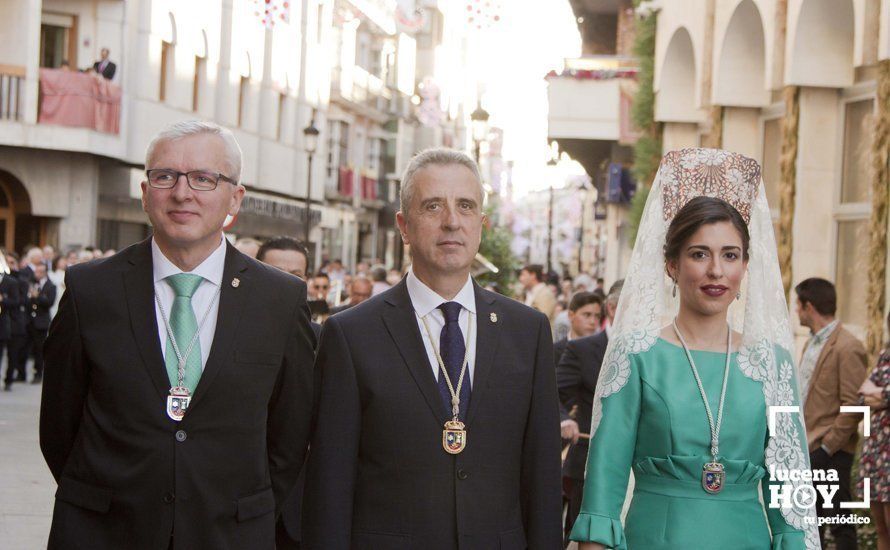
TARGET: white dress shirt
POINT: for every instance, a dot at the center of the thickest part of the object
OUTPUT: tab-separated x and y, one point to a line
211	269
426	304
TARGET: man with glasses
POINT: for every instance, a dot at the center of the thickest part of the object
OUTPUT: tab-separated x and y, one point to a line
178	381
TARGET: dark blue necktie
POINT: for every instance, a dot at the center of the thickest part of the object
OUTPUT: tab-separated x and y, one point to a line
453	350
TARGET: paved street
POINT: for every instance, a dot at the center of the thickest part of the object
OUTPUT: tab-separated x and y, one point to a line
26	486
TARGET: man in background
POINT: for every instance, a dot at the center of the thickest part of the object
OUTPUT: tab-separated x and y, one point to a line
104	66
537	294
832	368
585	314
576	377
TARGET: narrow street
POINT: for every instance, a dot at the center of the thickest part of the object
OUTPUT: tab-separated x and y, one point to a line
26	485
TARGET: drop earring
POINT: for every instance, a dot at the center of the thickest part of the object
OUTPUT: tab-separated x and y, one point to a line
738	295
674	291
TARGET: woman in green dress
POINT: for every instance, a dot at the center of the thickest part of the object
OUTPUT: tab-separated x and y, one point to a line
700	349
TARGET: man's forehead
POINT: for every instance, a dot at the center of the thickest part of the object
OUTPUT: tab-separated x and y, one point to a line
196	151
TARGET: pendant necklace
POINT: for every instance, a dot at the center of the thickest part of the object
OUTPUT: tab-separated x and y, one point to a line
713	473
454	436
179	398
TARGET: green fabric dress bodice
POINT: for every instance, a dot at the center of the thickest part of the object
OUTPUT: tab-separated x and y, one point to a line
657	426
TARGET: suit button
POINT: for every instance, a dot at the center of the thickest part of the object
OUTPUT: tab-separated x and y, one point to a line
462	475
181	436
169	497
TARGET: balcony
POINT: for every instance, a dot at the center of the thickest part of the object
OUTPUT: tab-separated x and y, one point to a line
79	100
591	98
360	91
12	80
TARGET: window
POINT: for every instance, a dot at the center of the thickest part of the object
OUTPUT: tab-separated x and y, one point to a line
282	108
772	155
58	40
853	210
200	82
851	275
166	69
243	93
319	20
858	131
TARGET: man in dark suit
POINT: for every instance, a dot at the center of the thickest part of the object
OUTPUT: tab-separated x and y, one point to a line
16	355
177	394
289	255
104	66
585	315
576	377
438	417
9	305
41	297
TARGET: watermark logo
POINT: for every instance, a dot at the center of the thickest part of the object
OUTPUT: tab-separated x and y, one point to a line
787	491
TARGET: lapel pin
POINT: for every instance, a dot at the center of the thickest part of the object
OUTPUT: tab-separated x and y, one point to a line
235	282
493	317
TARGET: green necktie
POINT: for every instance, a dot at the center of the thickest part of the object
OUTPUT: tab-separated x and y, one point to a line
183	324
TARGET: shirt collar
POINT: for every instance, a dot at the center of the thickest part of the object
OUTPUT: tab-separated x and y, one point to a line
424	299
211	269
824	332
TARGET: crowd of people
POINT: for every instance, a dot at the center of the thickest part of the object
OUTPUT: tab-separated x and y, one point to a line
196	397
31	285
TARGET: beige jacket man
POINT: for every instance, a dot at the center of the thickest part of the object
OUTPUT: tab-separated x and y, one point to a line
839	372
541	298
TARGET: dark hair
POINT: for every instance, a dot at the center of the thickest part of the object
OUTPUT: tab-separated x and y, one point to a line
282	243
818	292
696	213
321	274
56	260
581	299
535	269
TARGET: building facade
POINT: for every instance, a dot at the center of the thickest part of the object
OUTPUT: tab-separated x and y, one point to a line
801	76
70	169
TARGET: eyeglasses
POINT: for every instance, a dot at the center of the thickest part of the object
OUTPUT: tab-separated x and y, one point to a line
199	180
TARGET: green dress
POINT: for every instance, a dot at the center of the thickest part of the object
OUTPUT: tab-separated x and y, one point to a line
657	425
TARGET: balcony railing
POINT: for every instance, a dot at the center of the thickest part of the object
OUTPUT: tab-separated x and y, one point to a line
11	88
81	100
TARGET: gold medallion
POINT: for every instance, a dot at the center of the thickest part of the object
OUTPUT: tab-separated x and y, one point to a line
454	437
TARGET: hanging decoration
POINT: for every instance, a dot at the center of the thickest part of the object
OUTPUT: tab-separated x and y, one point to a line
409	16
483	14
270	12
591	74
429	113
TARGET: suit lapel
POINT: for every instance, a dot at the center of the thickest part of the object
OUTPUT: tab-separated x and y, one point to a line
139	286
487	338
401	323
231	304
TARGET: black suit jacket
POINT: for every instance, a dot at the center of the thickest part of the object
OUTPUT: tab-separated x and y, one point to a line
559	347
128	475
38	307
576	377
378	476
9	307
19	314
291	514
108	73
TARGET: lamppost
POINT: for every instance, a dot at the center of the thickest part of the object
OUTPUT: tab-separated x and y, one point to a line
310	143
479	119
551	162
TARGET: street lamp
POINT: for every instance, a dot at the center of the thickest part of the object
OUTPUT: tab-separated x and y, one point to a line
551	162
310	143
479	119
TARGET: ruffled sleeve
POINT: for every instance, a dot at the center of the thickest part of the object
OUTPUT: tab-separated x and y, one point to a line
609	462
602	529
